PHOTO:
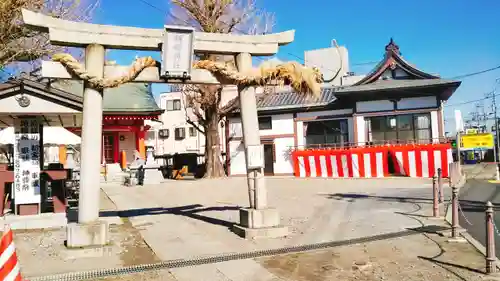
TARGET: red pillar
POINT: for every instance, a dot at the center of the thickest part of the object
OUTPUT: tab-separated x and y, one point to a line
140	135
116	147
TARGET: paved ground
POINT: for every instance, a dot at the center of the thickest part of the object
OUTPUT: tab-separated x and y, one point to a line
419	257
42	252
480	171
473	198
182	219
200	214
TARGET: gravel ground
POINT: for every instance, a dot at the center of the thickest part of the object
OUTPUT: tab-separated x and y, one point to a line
426	257
162	275
417	257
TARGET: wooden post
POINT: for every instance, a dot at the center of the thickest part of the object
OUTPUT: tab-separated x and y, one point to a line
88	204
440	185
435	199
490	240
454	212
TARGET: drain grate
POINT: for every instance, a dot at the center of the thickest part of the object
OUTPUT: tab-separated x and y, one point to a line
100	273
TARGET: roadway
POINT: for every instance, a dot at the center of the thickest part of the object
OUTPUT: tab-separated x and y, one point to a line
473	197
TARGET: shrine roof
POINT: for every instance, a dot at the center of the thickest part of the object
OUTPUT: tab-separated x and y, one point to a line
393	60
393	76
387	85
290	100
135	98
284	100
44	87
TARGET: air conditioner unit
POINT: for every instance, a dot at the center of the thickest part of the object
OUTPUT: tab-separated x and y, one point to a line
163	133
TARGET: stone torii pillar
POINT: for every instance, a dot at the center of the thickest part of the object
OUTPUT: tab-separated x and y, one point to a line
255	221
90	230
258	221
88	203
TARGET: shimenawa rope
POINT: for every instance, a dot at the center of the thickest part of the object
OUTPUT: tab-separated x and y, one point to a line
302	79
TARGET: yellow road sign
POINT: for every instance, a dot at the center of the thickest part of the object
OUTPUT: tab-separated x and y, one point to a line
478	141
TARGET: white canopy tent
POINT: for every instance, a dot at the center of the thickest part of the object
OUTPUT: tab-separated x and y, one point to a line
51	136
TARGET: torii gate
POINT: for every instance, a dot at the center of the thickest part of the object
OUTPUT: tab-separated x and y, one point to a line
177	45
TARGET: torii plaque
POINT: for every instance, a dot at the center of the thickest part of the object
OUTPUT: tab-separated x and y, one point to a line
178	44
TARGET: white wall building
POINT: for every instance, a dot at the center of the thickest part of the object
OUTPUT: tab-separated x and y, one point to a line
178	136
394	103
173	134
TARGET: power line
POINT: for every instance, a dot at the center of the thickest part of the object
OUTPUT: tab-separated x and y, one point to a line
239	30
472	101
475	73
303	60
365	63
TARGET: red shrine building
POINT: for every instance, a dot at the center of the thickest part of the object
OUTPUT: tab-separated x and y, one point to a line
125	109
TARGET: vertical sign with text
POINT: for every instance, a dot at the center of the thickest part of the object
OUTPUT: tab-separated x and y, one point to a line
27	161
177	52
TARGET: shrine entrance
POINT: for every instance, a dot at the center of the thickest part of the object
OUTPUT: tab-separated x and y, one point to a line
109	147
178	46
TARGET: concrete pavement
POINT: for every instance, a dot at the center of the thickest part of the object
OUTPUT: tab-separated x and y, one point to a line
473	197
192	218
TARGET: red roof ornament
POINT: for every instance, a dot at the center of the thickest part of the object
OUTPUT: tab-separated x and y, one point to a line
391	61
392	47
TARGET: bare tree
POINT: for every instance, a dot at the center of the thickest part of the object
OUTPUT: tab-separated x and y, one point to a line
20	44
204	102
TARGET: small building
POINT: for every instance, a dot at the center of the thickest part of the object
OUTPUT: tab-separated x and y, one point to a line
396	103
126	108
174	134
31	105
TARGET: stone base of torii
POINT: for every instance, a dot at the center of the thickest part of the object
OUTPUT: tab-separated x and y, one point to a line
259	220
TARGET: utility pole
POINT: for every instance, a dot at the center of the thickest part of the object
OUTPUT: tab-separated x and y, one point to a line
496	144
484	118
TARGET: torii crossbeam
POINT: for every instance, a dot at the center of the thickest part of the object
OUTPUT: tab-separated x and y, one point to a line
79	34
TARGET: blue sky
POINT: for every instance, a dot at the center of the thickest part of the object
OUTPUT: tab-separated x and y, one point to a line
450	38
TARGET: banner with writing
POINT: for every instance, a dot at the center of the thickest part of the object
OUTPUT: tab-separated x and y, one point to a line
27	161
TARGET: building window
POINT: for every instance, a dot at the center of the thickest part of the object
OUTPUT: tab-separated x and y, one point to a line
150	135
192	132
407	128
327	133
173	105
163	133
265	123
180	133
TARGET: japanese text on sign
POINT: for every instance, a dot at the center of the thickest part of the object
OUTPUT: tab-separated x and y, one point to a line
177	52
27	161
478	141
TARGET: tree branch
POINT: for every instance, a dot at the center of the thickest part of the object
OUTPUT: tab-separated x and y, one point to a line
196	126
20	44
